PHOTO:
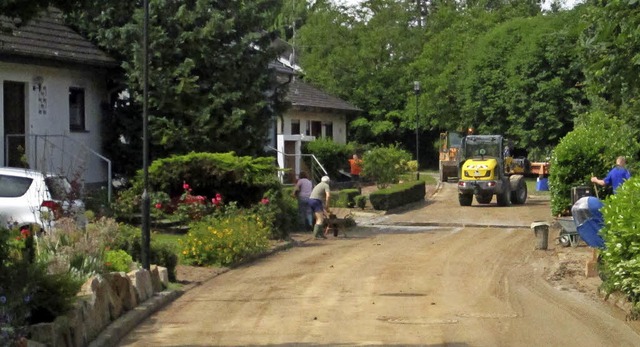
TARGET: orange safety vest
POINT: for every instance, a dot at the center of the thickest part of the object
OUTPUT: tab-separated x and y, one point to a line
355	166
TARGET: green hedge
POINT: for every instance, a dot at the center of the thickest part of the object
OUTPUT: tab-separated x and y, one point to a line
622	241
398	195
345	198
590	149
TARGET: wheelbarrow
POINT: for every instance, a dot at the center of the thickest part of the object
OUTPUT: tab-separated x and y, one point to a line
569	234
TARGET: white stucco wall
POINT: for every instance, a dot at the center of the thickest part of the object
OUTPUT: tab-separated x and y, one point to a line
51	145
338	120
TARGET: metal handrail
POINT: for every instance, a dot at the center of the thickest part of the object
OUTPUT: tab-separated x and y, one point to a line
314	161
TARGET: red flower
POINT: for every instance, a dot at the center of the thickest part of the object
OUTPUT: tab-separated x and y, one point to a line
217	200
185	186
264	201
158	205
24	232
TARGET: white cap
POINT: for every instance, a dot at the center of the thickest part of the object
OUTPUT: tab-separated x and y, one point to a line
325	179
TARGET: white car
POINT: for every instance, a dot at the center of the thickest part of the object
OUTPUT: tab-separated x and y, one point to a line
32	199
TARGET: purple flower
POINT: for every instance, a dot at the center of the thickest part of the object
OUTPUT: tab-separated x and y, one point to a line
27	298
3	299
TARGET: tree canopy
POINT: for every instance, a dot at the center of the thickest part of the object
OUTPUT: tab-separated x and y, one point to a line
210	86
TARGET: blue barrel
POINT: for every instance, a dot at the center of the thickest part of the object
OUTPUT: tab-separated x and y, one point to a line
542	184
586	213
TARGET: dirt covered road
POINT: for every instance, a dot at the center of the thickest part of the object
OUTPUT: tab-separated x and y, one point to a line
416	284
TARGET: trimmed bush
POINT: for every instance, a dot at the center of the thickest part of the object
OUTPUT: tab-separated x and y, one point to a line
590	149
398	195
622	241
361	201
345	198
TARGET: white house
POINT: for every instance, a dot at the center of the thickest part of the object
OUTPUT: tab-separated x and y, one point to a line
52	85
313	114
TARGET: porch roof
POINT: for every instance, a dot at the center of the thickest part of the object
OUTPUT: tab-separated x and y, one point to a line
47	38
303	95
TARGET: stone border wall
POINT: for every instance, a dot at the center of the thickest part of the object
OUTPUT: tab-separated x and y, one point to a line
102	300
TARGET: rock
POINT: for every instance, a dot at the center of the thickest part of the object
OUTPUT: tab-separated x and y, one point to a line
164	275
103	305
124	290
155	279
141	280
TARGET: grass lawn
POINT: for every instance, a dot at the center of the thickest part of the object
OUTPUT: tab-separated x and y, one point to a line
168	239
531	187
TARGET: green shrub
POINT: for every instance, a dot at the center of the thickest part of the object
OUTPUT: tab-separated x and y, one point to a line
29	294
385	164
117	260
164	255
225	240
130	241
332	155
622	241
241	179
398	195
345	198
79	251
590	149
361	201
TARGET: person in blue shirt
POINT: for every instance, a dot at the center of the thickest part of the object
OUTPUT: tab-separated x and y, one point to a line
616	176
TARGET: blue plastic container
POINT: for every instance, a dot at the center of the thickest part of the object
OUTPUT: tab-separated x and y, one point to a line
542	184
588	218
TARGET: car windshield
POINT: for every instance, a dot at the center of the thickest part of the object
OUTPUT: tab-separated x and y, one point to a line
482	149
58	187
14	186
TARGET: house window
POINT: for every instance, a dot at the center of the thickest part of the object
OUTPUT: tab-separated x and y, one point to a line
328	130
295	126
316	129
76	109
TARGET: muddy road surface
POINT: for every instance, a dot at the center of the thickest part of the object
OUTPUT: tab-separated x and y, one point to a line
433	275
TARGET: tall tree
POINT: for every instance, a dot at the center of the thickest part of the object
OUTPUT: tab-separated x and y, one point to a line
362	55
523	80
210	86
610	47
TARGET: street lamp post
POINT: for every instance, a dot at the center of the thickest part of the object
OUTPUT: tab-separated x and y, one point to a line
416	91
146	234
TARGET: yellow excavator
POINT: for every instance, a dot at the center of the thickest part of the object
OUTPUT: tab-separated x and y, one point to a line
450	143
487	168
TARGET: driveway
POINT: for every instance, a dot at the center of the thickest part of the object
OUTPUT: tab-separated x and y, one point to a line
436	274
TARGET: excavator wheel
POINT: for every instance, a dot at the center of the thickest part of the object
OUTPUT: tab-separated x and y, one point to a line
519	194
503	198
465	199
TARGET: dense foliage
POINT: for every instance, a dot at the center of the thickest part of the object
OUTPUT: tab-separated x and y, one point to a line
398	195
210	84
236	178
333	156
226	239
590	149
29	291
384	165
622	241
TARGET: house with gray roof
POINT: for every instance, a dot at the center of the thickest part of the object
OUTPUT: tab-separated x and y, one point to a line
52	85
313	114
